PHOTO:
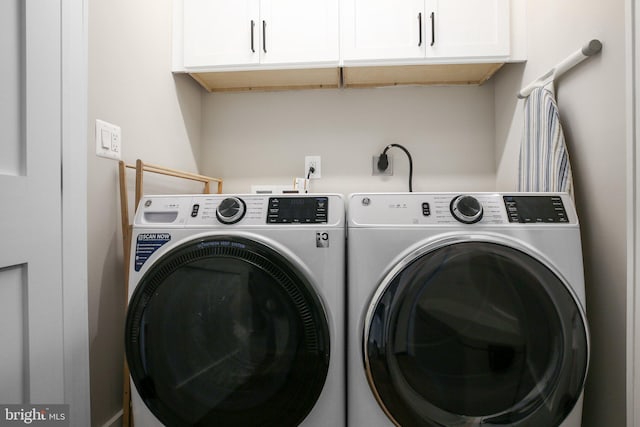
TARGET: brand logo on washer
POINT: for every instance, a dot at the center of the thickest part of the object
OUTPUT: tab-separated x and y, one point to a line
322	239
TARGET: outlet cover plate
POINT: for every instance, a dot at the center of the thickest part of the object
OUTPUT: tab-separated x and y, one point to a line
314	161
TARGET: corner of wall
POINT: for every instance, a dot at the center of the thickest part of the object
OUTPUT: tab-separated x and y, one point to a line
508	125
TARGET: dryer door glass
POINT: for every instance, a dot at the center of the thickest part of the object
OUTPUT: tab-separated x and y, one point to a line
476	333
226	332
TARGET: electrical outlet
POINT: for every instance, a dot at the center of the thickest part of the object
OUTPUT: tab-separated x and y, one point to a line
313	161
376	171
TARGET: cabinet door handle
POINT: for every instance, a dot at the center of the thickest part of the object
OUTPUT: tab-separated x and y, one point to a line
433	28
420	29
253	25
264	36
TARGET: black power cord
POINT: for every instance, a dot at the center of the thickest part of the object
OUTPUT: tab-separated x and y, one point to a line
311	170
383	162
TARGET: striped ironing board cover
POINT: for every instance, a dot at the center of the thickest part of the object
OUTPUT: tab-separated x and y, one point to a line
544	161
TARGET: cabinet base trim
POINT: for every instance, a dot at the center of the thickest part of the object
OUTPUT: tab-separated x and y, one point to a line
433	74
347	77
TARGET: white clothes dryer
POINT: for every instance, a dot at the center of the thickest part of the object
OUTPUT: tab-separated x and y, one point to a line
236	311
465	310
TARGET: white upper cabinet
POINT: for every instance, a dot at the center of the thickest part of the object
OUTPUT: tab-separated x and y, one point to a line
374	29
467	28
300	31
240	33
415	30
219	32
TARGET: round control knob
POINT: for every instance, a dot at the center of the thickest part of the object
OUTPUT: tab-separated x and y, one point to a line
466	209
231	210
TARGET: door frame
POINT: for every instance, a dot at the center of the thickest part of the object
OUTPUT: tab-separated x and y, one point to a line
632	101
74	63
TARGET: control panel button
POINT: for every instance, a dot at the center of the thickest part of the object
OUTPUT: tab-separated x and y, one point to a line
466	209
426	209
231	210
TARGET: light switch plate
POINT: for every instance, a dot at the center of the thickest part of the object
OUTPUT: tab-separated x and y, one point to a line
108	140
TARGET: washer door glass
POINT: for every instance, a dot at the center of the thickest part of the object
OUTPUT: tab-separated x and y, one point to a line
224	331
475	333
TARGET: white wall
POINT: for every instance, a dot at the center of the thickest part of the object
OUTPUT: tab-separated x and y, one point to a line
591	100
262	138
130	84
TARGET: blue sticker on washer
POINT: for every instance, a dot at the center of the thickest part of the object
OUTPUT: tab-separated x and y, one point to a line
147	244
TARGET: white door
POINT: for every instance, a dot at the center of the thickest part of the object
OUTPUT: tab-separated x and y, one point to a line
382	29
467	28
299	31
221	33
32	356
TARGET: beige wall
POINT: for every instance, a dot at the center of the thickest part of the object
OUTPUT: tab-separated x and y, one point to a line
262	138
591	100
130	84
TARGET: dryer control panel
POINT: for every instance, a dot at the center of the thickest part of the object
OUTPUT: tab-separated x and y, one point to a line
460	209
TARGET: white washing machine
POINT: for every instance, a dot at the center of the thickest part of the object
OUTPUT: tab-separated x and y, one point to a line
236	311
465	310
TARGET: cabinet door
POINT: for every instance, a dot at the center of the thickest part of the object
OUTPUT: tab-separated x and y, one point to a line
299	31
221	33
467	28
382	29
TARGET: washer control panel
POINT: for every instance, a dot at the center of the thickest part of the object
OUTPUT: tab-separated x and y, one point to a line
242	210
